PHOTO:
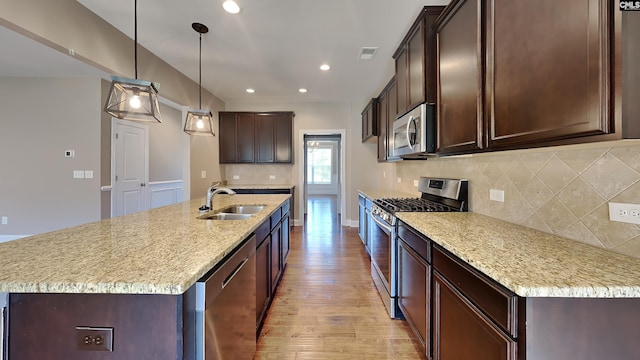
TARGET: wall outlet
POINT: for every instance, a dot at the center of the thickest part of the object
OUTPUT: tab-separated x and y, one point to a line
399	180
272	177
627	213
88	174
415	183
384	174
94	338
5	220
236	177
78	174
496	195
203	174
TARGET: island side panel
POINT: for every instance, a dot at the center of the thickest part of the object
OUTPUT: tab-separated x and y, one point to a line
43	326
579	328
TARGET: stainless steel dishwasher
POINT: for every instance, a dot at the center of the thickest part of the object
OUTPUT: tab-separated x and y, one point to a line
220	309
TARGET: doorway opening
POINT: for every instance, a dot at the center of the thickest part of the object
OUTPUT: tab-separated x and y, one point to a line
322	179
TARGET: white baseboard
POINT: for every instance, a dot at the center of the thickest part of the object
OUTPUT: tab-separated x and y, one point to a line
5	238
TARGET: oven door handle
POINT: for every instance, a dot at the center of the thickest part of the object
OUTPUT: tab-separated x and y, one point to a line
381	224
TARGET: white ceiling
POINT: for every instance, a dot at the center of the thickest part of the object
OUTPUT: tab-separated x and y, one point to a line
272	46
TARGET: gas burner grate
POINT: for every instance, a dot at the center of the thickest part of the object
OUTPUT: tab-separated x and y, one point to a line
412	205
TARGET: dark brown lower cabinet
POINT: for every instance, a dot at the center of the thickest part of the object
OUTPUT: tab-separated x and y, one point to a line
43	326
271	259
263	283
461	331
476	318
276	266
413	292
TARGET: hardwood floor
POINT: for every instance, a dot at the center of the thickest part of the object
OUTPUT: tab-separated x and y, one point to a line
326	306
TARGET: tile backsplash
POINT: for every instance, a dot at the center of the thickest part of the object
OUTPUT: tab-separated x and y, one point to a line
559	190
257	173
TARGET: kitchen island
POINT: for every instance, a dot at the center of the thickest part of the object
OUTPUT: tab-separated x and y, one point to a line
127	273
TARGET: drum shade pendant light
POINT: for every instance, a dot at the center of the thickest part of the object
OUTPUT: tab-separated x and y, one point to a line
199	122
133	99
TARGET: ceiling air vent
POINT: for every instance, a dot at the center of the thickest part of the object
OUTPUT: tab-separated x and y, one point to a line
367	53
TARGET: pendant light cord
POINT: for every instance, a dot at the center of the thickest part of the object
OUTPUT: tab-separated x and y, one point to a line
200	76
135	36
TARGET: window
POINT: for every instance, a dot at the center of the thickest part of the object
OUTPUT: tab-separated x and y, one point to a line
319	161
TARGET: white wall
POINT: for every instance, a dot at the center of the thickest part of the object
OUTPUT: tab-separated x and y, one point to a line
40	119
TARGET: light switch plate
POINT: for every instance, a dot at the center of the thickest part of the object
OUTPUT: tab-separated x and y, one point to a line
496	195
399	180
203	174
88	174
5	220
78	174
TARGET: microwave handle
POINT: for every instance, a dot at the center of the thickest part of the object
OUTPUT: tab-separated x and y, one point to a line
409	122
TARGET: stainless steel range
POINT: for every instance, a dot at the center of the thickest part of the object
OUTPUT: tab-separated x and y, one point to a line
437	195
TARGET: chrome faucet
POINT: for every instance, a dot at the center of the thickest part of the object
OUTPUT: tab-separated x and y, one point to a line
212	191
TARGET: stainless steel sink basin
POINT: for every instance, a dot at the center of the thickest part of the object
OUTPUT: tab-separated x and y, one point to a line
243	209
225	216
235	212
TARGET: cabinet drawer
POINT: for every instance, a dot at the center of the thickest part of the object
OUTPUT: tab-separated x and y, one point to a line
285	207
275	217
262	232
498	303
418	243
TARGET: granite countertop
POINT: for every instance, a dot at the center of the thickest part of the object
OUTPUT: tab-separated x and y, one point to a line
529	262
159	251
258	186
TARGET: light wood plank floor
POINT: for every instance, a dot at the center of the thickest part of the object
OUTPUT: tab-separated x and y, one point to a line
326	306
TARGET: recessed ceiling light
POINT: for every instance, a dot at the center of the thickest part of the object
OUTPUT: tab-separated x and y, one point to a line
250	91
231	7
325	67
302	90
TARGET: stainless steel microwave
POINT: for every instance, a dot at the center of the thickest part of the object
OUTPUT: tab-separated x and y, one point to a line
414	133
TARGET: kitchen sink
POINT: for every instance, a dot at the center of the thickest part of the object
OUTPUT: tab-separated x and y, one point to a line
243	209
235	212
224	216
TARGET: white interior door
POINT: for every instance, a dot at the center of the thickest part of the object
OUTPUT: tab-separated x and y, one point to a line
131	167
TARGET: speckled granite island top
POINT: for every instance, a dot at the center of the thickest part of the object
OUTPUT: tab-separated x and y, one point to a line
529	262
159	251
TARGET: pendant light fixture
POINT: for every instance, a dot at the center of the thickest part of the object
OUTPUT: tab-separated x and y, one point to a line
133	99
199	122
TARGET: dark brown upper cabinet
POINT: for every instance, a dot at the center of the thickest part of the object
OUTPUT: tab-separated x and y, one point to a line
237	130
415	62
274	137
459	78
520	74
248	137
548	72
370	121
387	108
